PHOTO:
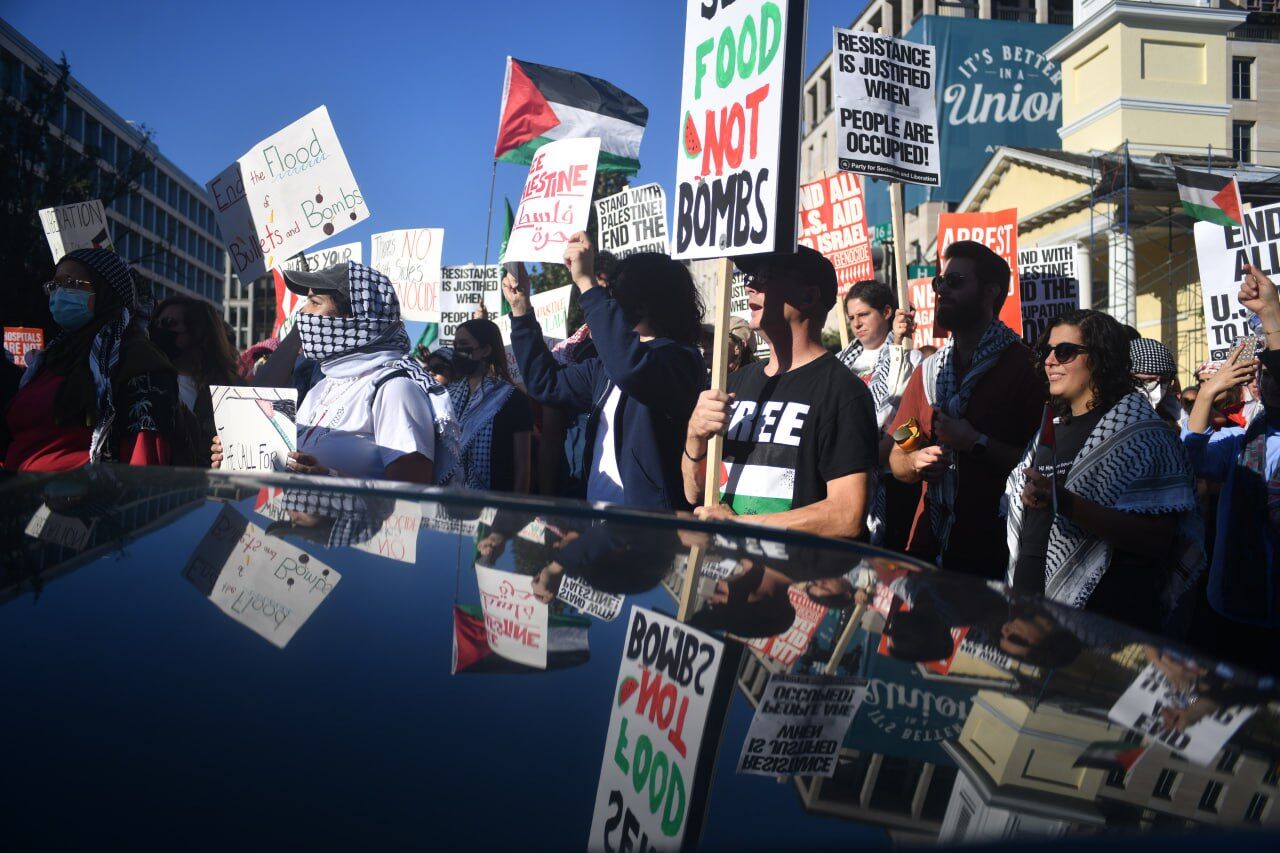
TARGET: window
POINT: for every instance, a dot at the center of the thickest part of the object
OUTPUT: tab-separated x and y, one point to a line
1227	763
1242	141
75	123
1272	776
1242	78
1257	806
1164	785
1209	799
11	77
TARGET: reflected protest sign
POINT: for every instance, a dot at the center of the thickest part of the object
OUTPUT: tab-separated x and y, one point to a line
289	303
921	297
410	257
799	725
463	289
515	622
634	220
20	340
258	427
82	225
556	202
58	529
648	790
1153	706
886	107
263	582
579	594
738	155
397	538
1221	254
1049	286
833	221
787	647
289	192
998	231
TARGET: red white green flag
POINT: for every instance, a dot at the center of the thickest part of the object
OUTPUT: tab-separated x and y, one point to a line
1209	196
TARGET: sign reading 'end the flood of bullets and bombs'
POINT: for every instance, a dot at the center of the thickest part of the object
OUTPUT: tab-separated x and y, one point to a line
886	111
633	221
1222	254
737	161
291	191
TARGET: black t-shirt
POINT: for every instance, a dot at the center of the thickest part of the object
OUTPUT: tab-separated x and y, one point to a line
516	415
789	435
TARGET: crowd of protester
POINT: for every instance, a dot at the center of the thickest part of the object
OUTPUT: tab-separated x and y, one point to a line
1075	468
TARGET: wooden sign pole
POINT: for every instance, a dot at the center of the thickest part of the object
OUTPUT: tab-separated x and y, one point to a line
845	637
899	242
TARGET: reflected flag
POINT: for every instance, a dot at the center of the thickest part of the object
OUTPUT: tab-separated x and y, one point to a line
566	644
1111	755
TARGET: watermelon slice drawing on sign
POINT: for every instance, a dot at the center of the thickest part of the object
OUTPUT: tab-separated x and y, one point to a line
692	144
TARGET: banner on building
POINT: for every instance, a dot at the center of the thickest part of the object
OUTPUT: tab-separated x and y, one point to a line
410	257
998	231
799	725
463	289
1222	254
20	340
1049	285
886	111
82	225
289	303
660	705
833	221
556	202
515	621
258	427
738	157
923	301
286	194
634	220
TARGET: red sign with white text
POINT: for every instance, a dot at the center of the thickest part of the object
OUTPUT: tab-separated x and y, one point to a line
833	221
997	231
20	340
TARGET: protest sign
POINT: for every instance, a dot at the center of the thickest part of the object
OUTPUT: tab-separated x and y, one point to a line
660	706
439	518
20	340
1048	284
1153	706
82	225
1221	254
579	594
634	220
289	192
922	298
57	529
799	725
833	221
515	622
289	303
258	427
739	308
738	156
463	289
998	231
410	257
556	202
263	582
787	647
886	108
551	307
397	538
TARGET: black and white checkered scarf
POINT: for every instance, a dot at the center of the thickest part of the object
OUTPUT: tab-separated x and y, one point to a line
374	326
356	518
476	413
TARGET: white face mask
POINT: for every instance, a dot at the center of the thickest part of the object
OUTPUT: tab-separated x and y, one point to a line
1162	399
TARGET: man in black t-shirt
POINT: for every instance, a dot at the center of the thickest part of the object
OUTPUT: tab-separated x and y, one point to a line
800	430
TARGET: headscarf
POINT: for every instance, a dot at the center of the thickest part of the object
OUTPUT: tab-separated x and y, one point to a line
1152	358
374	327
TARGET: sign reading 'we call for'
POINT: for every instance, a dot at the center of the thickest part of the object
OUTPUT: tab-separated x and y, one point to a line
739	148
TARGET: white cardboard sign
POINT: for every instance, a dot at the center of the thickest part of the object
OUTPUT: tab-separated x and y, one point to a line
258	427
515	622
82	225
556	202
397	538
410	257
634	220
292	190
799	725
322	259
1222	254
577	593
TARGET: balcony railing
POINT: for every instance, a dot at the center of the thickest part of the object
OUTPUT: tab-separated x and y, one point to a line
1256	32
1027	16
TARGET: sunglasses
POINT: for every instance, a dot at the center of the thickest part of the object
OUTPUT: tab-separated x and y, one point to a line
1064	353
950	281
72	283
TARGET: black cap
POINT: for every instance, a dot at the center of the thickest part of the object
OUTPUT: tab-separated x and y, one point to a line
808	265
331	280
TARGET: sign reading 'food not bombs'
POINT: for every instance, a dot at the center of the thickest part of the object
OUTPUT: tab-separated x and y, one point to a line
737	160
288	193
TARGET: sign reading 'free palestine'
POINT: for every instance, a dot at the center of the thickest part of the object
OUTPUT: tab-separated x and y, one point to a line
737	160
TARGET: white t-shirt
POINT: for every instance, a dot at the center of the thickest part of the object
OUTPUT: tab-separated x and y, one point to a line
605	482
187	391
866	360
354	433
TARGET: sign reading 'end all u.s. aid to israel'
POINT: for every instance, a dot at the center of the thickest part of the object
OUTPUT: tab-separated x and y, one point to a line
289	192
737	160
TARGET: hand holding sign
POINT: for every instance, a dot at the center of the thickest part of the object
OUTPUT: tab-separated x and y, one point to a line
580	260
516	290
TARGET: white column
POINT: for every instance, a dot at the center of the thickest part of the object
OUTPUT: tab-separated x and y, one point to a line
931	7
1042	11
1084	271
984	9
907	9
886	19
1122	277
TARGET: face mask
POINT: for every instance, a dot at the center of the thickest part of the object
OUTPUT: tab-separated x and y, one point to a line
167	341
464	365
1162	399
70	308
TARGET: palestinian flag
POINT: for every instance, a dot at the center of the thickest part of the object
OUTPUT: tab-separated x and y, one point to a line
541	104
566	644
1209	197
430	337
1111	755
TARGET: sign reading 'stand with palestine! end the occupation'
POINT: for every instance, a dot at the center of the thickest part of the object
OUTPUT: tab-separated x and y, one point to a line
738	154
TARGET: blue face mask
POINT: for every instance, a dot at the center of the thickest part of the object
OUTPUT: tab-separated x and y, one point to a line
70	308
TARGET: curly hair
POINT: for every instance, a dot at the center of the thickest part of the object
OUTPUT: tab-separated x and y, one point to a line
650	286
1107	345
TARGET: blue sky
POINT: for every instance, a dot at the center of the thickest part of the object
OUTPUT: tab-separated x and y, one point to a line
413	88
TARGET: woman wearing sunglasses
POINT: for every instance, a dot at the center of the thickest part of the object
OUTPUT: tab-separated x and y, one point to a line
1103	513
101	391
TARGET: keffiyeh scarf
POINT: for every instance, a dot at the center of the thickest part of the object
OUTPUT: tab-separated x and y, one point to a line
943	392
476	413
375	327
888	375
1131	462
356	519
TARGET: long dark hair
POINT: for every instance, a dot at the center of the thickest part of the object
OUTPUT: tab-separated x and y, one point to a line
652	287
215	358
487	334
1107	345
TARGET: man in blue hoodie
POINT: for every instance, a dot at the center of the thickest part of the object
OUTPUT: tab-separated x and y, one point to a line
642	388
